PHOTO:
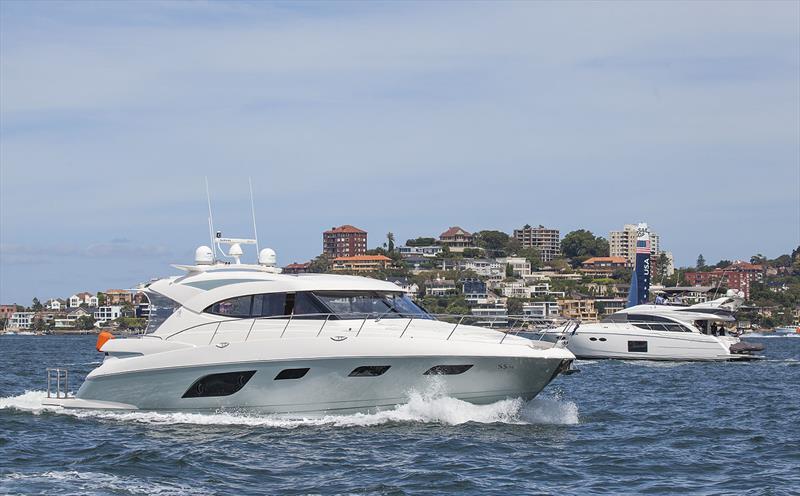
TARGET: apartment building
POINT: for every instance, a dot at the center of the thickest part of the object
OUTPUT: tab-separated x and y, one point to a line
623	243
547	241
581	309
344	241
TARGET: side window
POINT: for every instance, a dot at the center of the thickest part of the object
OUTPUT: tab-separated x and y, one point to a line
305	303
233	307
269	305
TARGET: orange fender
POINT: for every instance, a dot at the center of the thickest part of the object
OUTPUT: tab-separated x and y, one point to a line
102	338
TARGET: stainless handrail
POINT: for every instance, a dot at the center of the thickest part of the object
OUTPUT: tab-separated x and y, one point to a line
513	321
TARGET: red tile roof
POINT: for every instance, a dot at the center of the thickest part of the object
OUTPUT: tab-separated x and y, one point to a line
296	265
347	228
453	231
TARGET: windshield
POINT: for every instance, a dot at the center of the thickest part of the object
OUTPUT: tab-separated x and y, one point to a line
386	305
159	310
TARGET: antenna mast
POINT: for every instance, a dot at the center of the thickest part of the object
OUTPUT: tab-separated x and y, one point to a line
210	221
253	210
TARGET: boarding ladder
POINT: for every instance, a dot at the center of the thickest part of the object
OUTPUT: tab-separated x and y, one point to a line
60	378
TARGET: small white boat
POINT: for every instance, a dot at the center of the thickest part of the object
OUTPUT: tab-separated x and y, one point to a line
787	330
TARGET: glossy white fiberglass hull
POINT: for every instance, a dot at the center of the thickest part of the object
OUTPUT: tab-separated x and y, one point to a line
612	341
160	380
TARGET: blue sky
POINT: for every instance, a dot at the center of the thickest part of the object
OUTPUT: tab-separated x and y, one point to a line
406	117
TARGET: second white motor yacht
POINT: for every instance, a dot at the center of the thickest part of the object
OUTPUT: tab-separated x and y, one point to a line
666	332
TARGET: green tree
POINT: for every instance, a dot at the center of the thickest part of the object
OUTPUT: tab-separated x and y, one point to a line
85	322
701	262
39	324
582	244
390	242
782	261
471	253
493	242
513	246
722	264
421	242
514	306
101	299
509	270
663	262
36	305
321	264
532	255
457	307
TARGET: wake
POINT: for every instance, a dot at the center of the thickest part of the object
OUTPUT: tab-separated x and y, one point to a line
421	407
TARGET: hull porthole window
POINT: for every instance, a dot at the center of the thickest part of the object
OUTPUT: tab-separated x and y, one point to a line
224	384
291	374
369	371
447	369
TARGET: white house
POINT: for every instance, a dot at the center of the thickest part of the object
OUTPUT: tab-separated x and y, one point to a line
107	313
56	304
70	321
440	287
419	251
484	267
541	310
491	316
84	298
409	287
21	320
520	265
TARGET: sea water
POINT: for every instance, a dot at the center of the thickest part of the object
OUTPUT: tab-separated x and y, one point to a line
615	428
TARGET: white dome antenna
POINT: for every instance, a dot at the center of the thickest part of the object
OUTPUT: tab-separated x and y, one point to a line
203	255
236	252
268	257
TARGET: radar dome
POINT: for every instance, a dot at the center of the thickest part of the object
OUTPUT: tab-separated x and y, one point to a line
267	257
203	256
235	250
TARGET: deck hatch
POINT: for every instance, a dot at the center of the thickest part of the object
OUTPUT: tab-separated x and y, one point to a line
291	374
447	369
369	371
224	384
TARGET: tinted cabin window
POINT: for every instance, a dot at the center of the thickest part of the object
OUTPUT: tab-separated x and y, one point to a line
218	384
269	305
637	346
369	371
305	304
233	307
447	369
291	374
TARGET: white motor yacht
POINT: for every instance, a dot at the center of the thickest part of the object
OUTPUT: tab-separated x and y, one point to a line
666	332
247	337
661	331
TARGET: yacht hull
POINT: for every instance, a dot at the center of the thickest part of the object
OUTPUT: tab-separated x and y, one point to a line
327	386
628	344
